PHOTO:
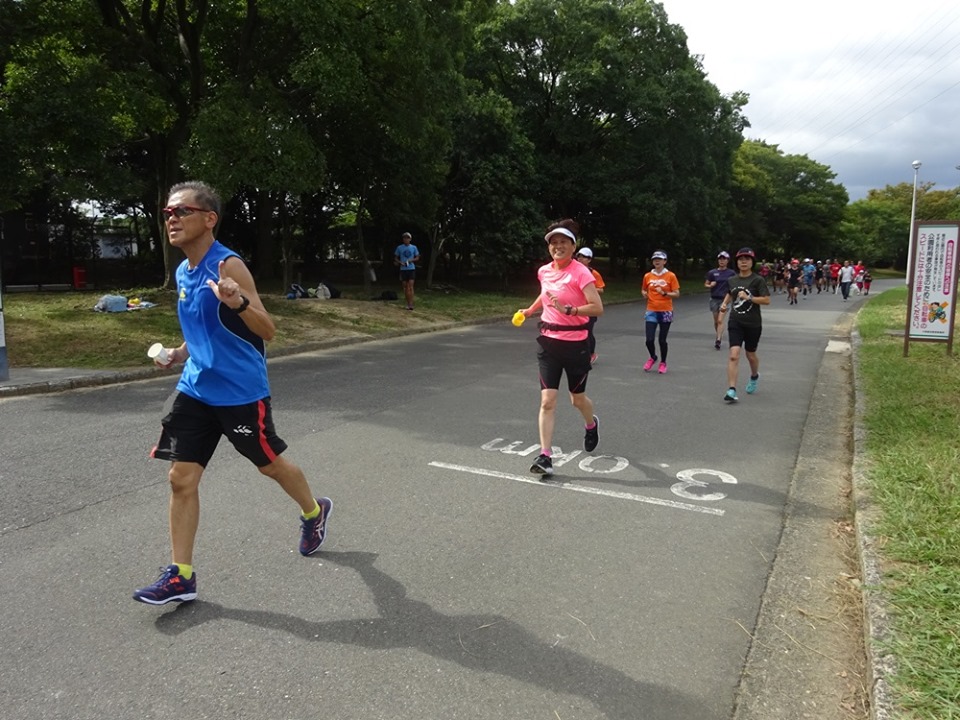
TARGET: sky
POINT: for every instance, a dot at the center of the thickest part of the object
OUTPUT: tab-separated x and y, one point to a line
863	87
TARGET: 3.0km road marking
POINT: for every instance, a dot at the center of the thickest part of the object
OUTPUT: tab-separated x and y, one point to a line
580	488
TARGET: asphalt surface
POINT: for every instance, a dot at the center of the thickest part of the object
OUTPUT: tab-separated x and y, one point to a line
453	584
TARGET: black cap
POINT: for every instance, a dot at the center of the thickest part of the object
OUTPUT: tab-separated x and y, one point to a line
746	252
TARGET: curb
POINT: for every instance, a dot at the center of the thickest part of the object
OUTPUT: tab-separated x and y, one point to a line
107	377
113	377
876	618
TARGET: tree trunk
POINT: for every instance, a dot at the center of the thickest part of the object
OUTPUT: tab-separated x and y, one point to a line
367	268
287	256
436	247
164	149
263	261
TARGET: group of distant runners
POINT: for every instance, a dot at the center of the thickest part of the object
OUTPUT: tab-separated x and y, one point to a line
798	278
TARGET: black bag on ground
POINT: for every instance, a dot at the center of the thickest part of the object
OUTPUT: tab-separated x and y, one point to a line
334	292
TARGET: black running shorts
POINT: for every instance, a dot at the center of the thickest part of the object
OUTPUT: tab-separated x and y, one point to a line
749	337
192	430
558	356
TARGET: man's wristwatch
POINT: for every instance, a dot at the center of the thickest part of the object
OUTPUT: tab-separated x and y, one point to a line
243	305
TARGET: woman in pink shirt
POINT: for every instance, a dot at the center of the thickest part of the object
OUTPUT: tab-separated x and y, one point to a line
568	298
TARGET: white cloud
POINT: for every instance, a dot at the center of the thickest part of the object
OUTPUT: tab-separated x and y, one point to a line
863	87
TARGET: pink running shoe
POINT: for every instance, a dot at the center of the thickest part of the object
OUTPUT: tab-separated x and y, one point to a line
662	369
649	364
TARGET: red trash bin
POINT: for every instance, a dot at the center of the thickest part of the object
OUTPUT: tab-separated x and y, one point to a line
79	278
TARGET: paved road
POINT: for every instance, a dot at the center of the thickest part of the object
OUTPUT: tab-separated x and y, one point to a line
453	585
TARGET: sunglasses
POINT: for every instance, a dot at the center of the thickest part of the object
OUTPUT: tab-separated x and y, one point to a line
181	211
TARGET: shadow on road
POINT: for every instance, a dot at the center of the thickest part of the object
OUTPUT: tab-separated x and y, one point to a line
485	643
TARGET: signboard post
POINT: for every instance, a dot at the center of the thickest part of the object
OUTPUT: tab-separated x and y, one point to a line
932	285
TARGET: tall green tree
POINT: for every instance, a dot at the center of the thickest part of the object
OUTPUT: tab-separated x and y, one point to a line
154	52
63	116
877	228
251	135
874	231
791	204
489	219
627	130
387	117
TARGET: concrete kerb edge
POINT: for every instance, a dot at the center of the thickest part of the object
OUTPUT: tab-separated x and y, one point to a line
876	617
122	376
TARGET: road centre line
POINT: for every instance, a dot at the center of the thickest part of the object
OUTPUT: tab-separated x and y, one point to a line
580	488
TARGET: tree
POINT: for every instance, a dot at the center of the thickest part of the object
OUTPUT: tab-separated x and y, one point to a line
627	131
878	226
488	219
251	135
874	231
63	118
789	204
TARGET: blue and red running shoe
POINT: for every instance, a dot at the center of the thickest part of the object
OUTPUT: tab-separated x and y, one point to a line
170	587
313	532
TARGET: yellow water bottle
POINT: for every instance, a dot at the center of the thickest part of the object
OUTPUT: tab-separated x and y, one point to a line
518	318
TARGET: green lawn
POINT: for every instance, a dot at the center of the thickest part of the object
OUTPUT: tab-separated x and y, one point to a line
912	418
61	329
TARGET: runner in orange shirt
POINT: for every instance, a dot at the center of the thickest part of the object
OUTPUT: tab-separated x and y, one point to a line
585	256
660	287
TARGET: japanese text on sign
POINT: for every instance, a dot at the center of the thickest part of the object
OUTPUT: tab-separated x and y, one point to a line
932	292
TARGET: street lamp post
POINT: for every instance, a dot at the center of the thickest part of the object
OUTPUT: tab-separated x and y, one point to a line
913	216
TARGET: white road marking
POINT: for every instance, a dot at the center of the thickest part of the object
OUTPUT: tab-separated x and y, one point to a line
580	488
687	480
619	463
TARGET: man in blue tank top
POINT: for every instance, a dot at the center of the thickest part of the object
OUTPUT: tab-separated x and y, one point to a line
223	389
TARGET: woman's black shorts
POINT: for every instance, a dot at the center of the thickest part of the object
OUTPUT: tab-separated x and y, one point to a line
749	337
558	356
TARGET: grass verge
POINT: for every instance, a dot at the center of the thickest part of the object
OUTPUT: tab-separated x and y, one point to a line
912	413
62	330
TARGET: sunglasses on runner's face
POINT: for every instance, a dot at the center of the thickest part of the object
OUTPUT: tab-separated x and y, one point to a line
181	211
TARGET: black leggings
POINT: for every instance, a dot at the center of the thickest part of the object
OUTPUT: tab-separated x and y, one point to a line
651	333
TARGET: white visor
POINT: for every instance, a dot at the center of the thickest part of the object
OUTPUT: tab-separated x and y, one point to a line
561	231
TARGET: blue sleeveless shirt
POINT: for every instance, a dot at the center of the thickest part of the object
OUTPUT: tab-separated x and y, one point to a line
228	362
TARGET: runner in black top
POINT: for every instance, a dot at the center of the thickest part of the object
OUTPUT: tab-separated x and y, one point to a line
748	291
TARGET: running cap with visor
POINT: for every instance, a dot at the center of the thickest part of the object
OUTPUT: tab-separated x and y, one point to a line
746	252
723	253
659	255
586	252
560	231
